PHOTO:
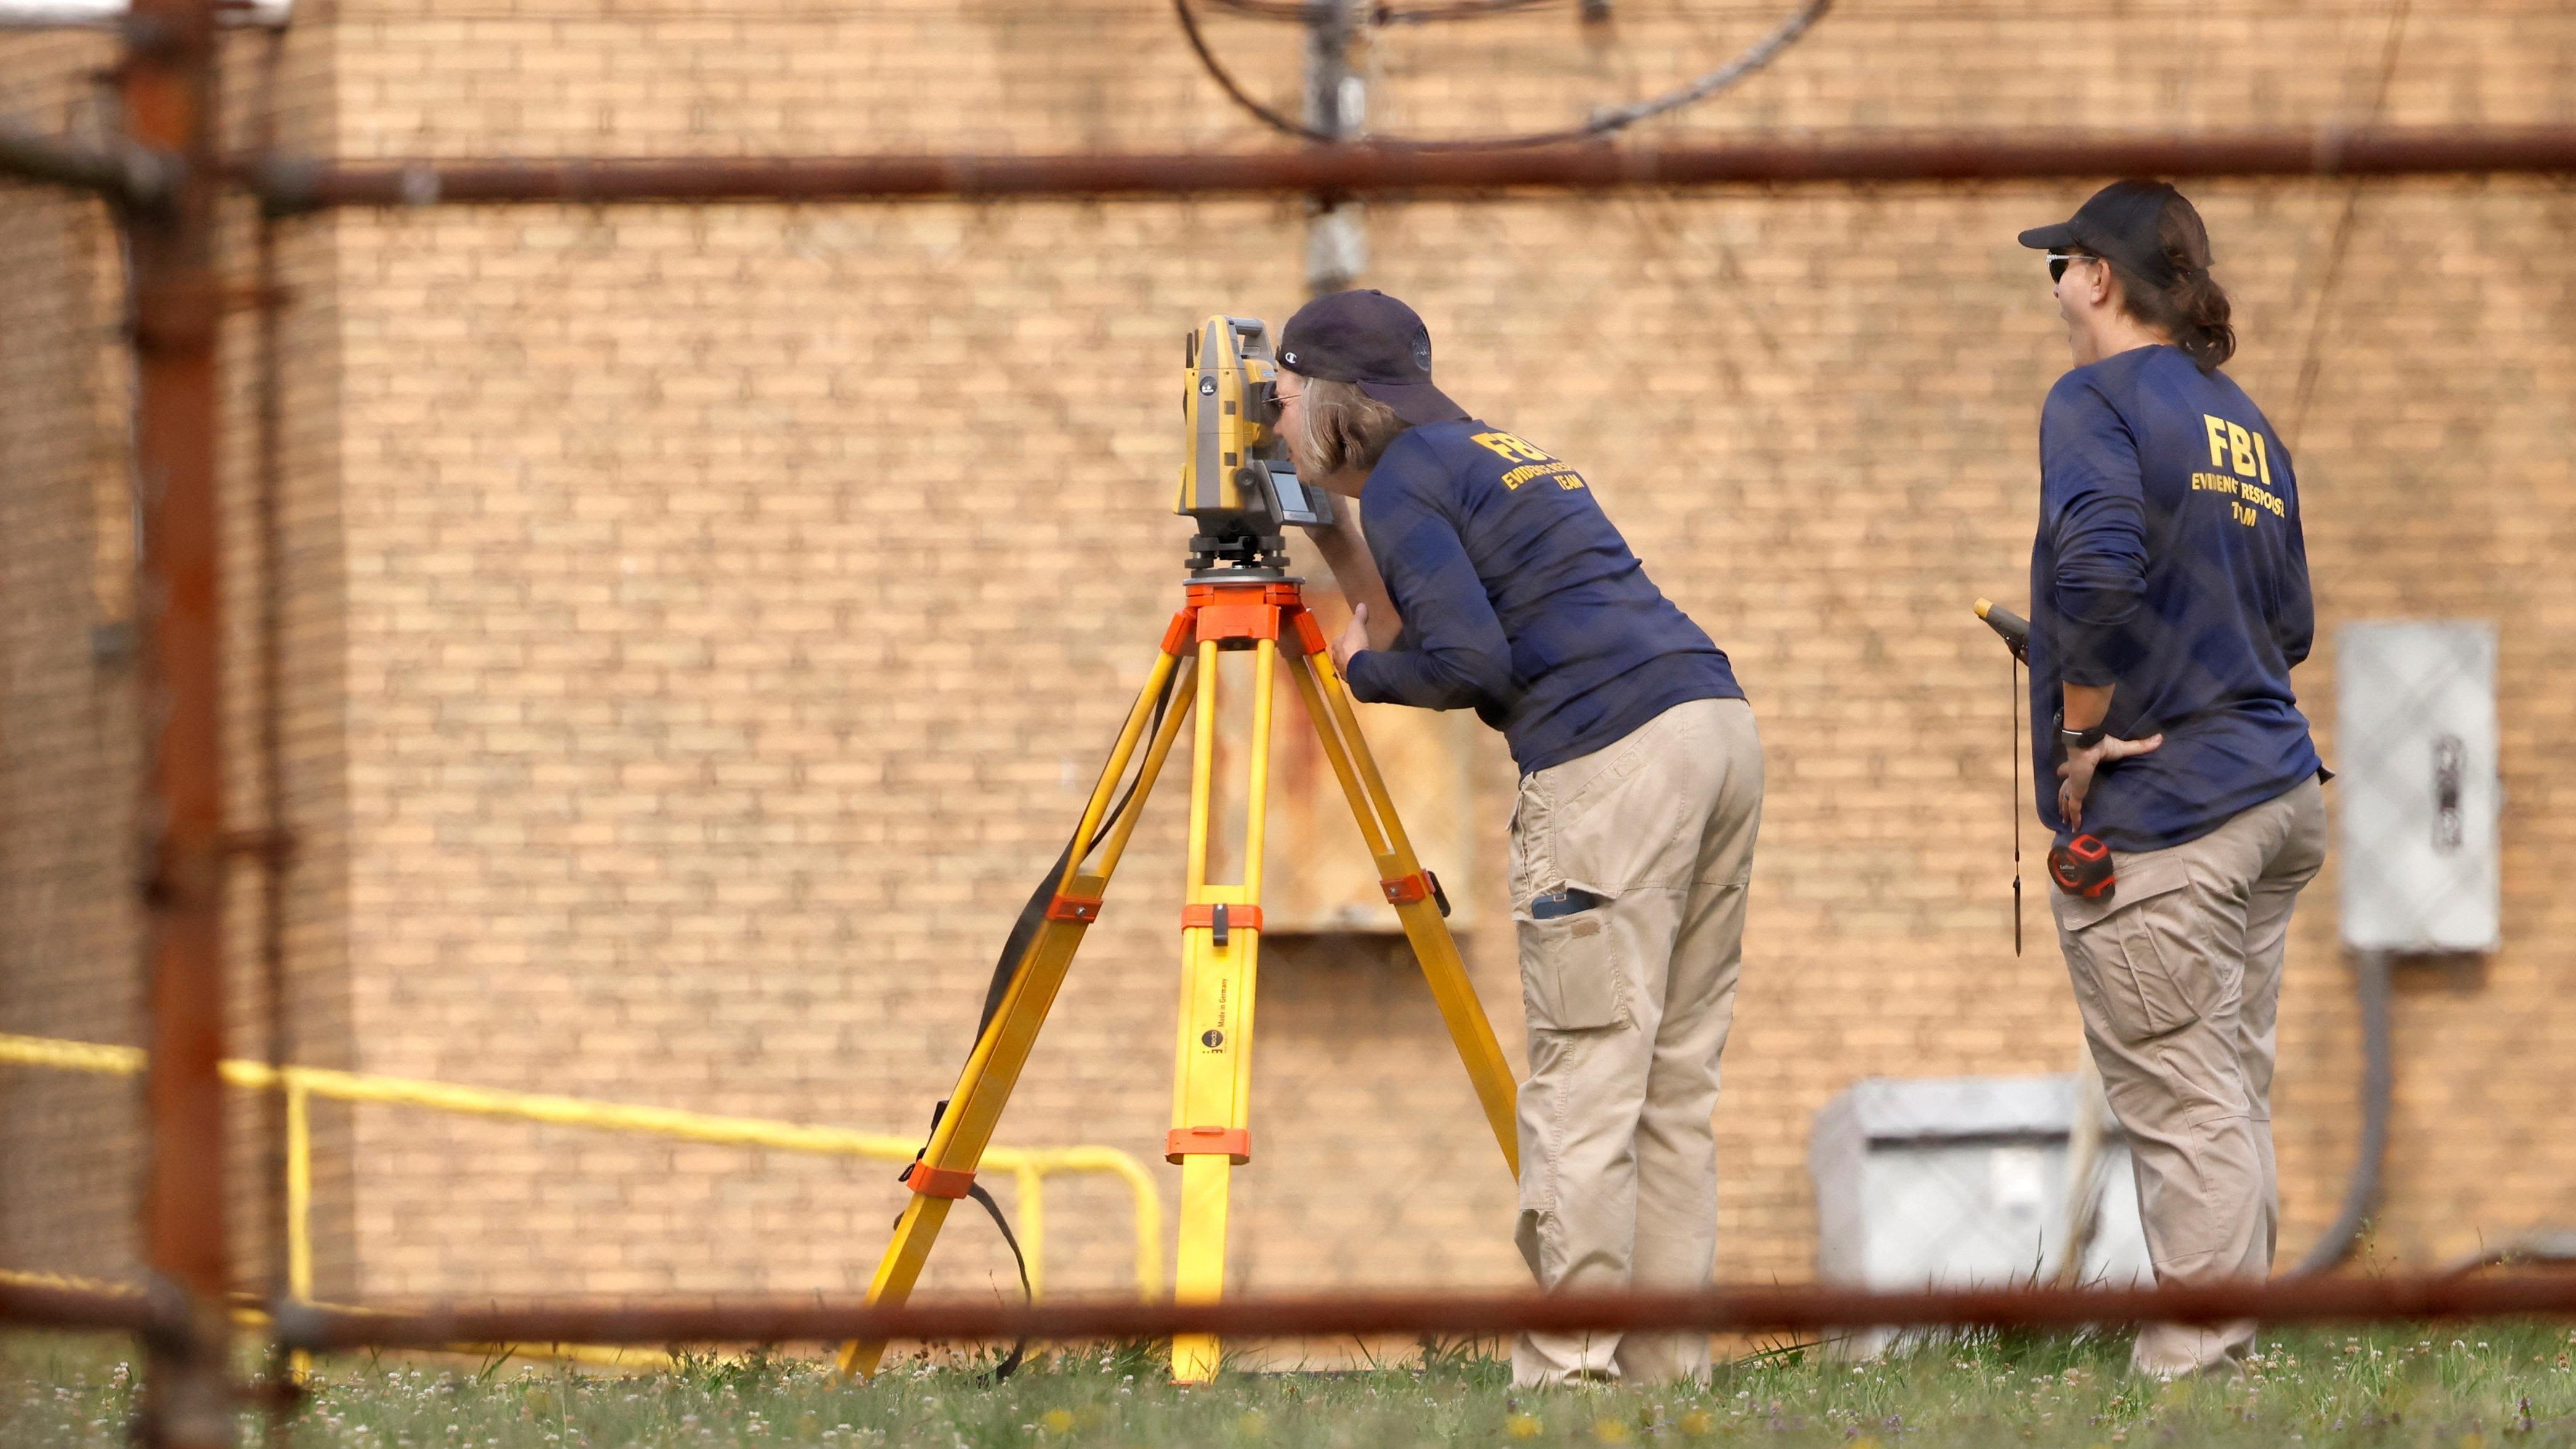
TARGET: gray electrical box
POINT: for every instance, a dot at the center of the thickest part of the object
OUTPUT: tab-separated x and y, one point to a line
2415	739
1969	1181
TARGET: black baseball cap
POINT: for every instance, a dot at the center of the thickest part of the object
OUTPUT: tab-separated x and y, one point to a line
2119	221
1369	338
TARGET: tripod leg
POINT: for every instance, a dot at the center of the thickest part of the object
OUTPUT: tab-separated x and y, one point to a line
1220	946
965	1128
1328	704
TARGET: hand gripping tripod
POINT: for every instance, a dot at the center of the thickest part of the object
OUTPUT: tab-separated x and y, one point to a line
1255	609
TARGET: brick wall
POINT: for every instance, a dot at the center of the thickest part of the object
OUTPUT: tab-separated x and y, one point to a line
70	752
710	619
67	756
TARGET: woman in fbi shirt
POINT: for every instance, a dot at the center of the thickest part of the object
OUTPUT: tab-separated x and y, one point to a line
1640	797
2169	602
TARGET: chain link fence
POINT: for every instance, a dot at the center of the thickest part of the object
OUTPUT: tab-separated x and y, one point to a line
705	622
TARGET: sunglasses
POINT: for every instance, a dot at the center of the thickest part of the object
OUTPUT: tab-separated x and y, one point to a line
2057	263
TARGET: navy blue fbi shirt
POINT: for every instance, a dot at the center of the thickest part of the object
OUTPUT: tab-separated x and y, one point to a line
1520	600
2169	563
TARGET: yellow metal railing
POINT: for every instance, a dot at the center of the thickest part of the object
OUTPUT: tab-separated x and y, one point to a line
1029	1168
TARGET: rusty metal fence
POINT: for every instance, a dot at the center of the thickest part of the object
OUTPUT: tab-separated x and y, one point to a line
168	177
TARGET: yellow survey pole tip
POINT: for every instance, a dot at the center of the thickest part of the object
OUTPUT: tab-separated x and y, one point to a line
1984	606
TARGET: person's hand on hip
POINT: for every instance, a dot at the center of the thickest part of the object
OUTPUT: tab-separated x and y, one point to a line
2075	777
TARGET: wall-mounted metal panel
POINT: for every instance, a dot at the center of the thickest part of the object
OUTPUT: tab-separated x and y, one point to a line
2418	793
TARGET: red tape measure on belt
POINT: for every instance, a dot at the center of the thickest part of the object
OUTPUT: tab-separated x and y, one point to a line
2082	867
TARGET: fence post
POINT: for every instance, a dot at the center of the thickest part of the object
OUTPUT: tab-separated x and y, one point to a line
176	307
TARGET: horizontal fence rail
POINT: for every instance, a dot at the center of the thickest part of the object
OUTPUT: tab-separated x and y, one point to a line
123	171
1721	1310
1718	1310
289	186
93	1299
31	1300
318	1328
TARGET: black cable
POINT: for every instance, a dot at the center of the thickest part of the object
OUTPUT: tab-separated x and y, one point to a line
2371	969
1604	123
2311	360
2018	699
1312	11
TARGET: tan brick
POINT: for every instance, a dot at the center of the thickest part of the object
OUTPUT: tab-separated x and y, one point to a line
705	621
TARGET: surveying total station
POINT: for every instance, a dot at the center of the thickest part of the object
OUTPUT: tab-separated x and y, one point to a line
1236	483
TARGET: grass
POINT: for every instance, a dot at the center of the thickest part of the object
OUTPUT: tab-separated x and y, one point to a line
2462	1387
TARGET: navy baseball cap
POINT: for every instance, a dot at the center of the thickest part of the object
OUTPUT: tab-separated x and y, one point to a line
2119	221
1368	338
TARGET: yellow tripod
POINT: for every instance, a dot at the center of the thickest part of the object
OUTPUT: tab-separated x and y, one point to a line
1258	611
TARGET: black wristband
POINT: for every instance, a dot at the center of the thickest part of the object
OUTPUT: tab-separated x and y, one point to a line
2073	740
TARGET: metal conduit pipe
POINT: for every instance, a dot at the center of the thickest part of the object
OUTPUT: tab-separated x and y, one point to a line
2540	1245
2372	984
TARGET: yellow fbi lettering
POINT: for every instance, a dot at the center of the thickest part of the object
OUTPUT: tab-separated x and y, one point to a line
1563	476
2247	483
1518	450
2239	449
1536	463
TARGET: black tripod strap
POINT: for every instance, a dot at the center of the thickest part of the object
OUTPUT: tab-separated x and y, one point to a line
1015	952
1032	917
1024	934
1019	1351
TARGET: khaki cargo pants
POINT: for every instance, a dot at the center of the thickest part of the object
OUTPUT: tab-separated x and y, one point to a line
2178	975
1629	1003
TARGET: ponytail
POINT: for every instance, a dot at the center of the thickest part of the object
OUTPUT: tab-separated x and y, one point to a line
2192	309
2204	331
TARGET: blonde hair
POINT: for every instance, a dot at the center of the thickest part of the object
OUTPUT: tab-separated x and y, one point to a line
1344	428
